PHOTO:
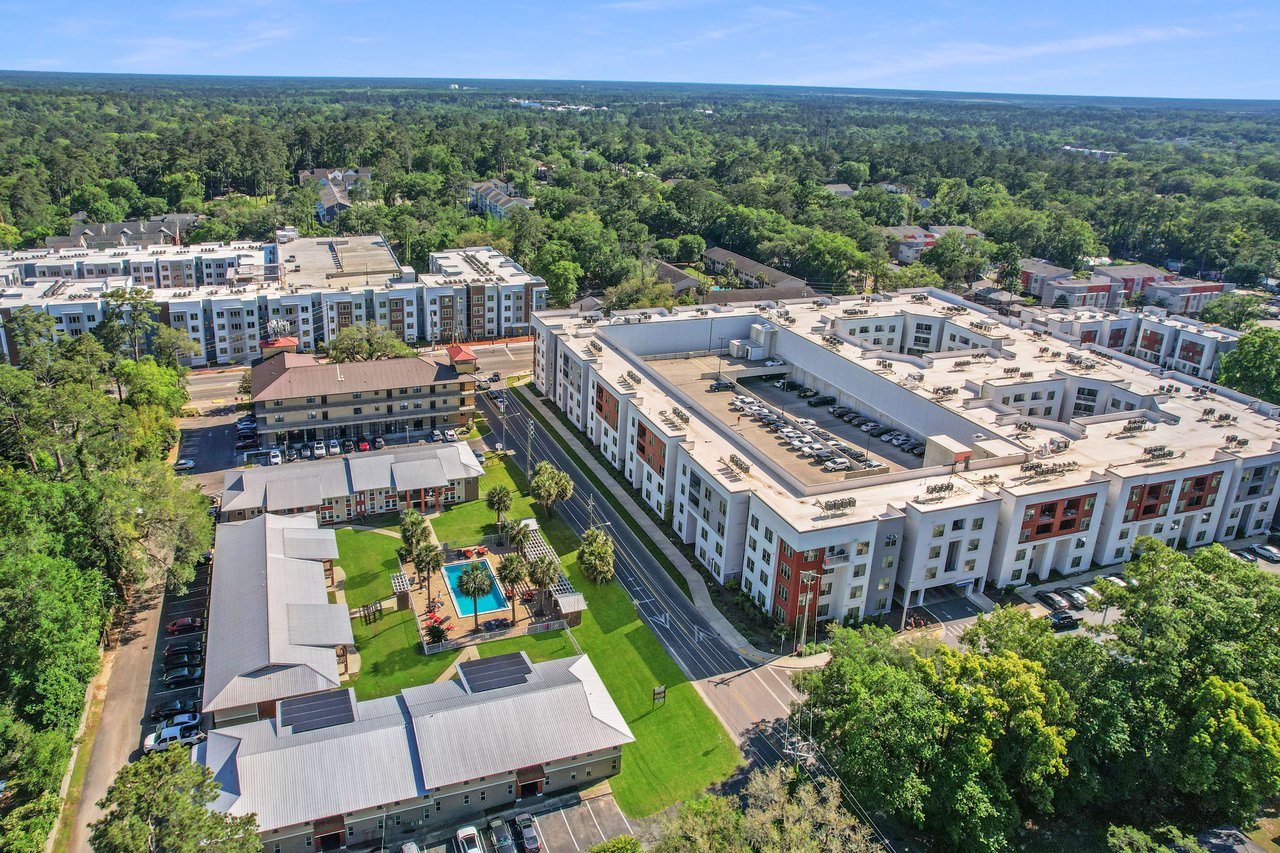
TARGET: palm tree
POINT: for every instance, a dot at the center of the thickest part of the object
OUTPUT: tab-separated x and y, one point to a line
411	526
543	573
429	562
511	571
498	499
475	582
518	535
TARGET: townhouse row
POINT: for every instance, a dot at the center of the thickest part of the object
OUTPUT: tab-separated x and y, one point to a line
1040	454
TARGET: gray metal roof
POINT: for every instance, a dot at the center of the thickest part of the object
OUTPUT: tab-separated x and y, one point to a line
272	630
424	738
290	376
1044	268
276	488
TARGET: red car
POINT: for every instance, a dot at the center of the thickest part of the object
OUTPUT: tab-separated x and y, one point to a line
185	625
362	445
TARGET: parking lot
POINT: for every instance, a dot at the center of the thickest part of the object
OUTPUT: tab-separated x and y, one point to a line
193	603
574	827
690	376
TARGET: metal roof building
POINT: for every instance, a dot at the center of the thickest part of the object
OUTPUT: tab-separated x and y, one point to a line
504	720
272	631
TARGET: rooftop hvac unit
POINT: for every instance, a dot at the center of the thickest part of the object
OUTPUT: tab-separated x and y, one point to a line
738	349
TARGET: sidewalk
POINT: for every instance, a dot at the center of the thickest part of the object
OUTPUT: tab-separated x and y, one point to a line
697	586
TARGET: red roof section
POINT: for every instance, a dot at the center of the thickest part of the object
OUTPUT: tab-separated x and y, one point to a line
458	352
279	342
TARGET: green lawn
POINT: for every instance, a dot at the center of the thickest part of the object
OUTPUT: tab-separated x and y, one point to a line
368	560
391	657
466	524
548	645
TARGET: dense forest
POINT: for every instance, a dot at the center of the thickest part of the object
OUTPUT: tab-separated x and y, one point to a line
1197	182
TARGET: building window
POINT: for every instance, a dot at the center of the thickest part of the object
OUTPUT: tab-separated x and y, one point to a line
466	799
938	530
977	524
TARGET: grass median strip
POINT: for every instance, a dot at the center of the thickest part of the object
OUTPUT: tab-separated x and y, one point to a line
531	405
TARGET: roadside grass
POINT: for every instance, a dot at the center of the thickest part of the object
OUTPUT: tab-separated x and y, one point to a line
75	785
532	405
368	559
549	645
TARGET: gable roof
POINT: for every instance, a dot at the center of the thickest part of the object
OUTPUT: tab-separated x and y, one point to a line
272	630
424	738
289	375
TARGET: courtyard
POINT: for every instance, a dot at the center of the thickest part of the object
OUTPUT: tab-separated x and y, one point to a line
681	748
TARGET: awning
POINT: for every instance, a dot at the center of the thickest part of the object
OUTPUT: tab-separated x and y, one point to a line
526	775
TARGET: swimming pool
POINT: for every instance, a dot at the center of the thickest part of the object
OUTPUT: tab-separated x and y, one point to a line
495	600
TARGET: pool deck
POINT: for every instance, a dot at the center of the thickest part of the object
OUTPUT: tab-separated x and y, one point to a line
458	613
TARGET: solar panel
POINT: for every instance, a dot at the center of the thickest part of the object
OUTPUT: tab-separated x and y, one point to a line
318	711
496	672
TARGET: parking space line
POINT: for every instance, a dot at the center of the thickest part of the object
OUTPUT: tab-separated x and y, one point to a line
541	834
572	837
603	837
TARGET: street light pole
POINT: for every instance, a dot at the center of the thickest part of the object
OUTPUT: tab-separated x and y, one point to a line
720	358
806	581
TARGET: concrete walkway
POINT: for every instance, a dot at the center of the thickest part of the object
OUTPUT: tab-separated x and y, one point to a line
697	586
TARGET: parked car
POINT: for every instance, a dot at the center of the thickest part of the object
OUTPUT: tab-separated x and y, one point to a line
185	625
468	840
868	426
528	833
169	707
853	452
437	435
840	411
1051	600
183	677
348	446
247	444
722	385
450	435
1116	580
362	444
317	449
1075	597
1089	592
495	376
1061	620
1267	552
822	400
163	738
193	646
833	465
821	433
808	392
379	442
1247	556
822	454
781	383
500	836
274	457
774	362
181	661
186	718
805	422
184	465
290	454
335	447
482	385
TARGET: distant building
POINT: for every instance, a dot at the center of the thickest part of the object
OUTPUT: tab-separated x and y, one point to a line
329	773
165	230
272	632
750	273
908	242
427	477
1095	153
1057	287
495	198
298	398
839	190
335	188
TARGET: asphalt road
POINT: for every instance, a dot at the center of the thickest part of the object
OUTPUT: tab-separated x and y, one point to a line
215	387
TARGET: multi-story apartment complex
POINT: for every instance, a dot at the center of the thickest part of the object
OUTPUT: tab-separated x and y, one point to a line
495	198
1033	450
298	398
164	230
908	242
227	297
1058	287
1152	334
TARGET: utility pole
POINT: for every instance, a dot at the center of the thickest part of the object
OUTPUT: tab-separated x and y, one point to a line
591	511
528	451
806	581
720	359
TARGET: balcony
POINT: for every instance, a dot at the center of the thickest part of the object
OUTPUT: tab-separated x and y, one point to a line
839	558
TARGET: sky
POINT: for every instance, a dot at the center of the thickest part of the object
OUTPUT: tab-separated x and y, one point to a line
1176	48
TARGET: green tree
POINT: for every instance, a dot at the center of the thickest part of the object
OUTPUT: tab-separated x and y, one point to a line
160	804
957	258
1234	310
428	562
1253	367
170	346
595	556
149	384
512	571
498	500
549	486
691	247
911	276
1128	839
619	844
133	311
562	279
544	571
475	582
667	248
369	342
1007	259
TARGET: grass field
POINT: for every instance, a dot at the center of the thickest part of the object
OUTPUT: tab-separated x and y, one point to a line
368	559
391	657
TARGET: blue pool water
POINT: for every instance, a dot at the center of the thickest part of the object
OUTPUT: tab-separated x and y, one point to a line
495	600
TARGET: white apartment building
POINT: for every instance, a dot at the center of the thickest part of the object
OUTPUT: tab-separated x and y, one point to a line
1038	451
225	297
